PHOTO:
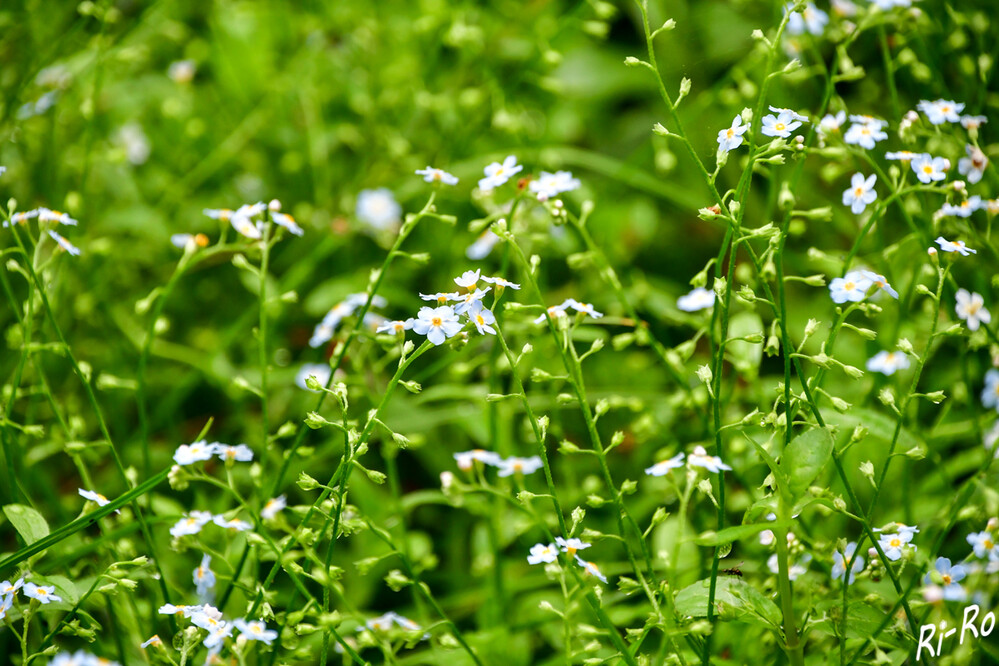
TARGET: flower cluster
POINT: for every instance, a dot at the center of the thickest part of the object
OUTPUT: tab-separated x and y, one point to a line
80	658
188	454
209	619
331	321
698	458
506	466
191	523
47	216
43	594
855	285
560	310
548	553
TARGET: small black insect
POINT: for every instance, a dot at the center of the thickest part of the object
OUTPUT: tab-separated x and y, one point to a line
734	571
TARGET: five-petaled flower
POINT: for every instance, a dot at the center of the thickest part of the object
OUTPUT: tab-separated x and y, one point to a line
434	175
780	125
731	138
41	593
570	546
941	111
700	458
591	569
848	557
187	454
549	185
542	553
929	169
255	630
984	545
949	577
466	459
990	394
696	299
437	324
663	467
860	193
496	173
514	465
191	523
888	362
971	308
972	166
273	506
64	244
894	544
204	578
954	246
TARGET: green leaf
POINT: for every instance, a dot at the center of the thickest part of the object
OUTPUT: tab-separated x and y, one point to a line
29	523
805	457
778	472
734	533
735	599
745	356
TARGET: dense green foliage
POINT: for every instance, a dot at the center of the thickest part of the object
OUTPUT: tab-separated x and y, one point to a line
134	118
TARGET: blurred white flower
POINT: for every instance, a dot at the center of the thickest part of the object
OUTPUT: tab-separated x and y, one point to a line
204	578
482	246
971	308
941	111
65	244
663	467
887	362
190	453
182	71
972	166
496	173
273	506
514	465
954	246
700	458
549	185
696	299
542	553
432	175
255	631
378	209
811	19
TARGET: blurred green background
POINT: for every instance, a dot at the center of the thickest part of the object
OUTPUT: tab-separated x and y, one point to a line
134	116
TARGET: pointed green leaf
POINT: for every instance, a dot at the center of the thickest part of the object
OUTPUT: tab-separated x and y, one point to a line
29	523
805	457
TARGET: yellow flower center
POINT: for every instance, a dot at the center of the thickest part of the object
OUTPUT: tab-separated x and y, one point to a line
780	127
849	286
947	579
895	543
480	319
436	321
928	169
859	191
730	133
